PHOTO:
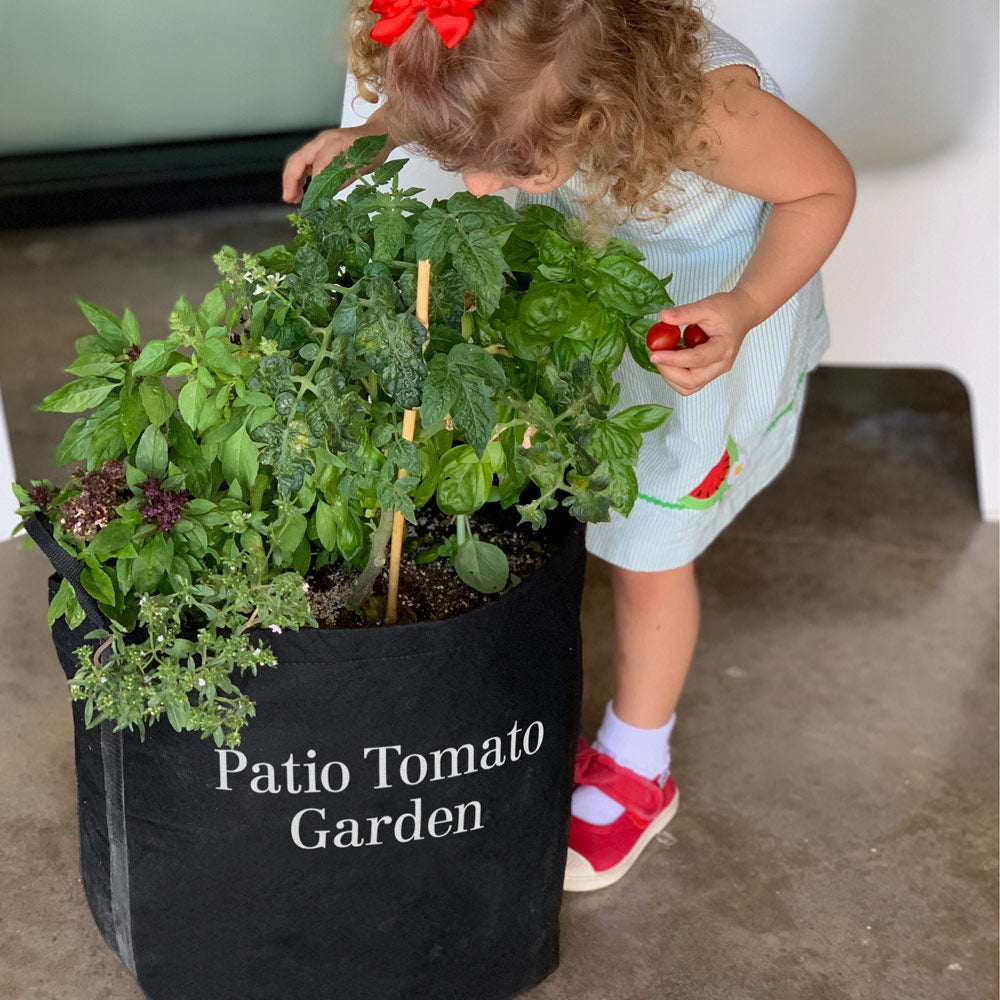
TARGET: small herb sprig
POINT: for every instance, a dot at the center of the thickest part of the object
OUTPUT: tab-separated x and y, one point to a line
183	670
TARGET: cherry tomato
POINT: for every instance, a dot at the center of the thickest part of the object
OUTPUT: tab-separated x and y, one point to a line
663	337
694	336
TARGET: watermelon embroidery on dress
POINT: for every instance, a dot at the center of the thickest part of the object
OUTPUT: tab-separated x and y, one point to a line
711	489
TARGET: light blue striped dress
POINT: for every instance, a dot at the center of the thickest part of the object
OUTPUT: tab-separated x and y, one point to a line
726	442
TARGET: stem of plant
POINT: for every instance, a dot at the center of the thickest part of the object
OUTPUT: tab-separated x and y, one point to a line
100	651
376	561
313	368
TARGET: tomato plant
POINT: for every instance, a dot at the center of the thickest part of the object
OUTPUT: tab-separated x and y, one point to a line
260	439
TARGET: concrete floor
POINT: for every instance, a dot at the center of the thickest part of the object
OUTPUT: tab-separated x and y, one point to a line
837	742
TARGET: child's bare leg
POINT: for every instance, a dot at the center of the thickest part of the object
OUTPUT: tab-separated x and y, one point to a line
656	627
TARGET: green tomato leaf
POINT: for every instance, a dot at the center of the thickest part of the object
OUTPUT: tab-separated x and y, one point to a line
391	229
466	360
388	170
283	451
392	345
491	209
589	505
347	316
439	391
274	373
364	150
432	234
480	262
474	412
326	184
404	455
335	417
311	269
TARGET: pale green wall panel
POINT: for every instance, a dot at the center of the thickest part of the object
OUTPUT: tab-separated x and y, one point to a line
80	74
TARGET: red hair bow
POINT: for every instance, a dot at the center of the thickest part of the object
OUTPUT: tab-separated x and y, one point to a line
451	18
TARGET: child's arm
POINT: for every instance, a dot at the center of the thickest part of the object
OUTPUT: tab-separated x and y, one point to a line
762	147
315	155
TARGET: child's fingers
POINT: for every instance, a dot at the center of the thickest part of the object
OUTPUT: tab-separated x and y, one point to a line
687	382
298	167
680	315
679	379
691	357
292	180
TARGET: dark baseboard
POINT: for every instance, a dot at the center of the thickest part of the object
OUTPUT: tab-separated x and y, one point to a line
75	186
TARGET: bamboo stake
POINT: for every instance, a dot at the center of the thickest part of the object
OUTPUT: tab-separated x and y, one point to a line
409	427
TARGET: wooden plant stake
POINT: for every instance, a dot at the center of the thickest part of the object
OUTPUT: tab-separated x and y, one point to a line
409	427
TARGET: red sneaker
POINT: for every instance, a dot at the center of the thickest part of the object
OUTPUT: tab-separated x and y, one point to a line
600	855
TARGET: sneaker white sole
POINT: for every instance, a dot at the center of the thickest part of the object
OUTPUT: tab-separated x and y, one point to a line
581	877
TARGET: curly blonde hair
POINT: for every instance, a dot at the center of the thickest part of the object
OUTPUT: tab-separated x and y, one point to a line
616	85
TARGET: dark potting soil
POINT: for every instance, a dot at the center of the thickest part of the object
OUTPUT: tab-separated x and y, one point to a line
431	591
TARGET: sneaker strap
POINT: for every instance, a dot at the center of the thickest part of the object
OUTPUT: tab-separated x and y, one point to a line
637	794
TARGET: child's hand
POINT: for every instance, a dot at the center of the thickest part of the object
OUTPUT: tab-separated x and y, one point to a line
315	156
727	318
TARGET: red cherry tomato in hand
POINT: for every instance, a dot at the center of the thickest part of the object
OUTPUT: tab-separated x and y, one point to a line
694	336
663	337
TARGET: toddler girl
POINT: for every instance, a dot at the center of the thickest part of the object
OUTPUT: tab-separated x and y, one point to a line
644	118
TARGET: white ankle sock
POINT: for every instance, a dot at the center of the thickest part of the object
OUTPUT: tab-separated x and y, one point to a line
646	751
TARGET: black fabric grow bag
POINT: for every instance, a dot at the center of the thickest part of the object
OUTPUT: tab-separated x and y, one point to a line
189	857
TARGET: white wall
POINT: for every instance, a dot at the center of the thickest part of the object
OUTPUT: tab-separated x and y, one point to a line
8	502
908	89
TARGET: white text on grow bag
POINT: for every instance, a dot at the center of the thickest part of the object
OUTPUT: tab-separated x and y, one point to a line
386	767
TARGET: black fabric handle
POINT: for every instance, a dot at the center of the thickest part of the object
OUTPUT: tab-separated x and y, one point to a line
64	563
